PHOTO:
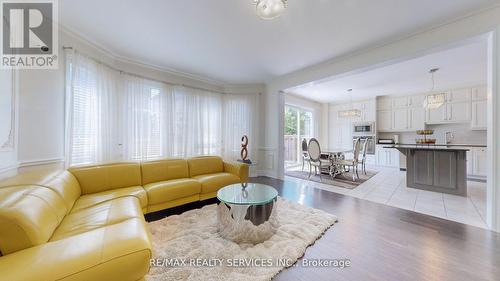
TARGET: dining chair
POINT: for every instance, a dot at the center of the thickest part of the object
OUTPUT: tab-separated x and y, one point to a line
363	156
315	159
354	161
305	153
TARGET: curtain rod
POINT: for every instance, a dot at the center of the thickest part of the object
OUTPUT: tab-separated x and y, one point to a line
144	77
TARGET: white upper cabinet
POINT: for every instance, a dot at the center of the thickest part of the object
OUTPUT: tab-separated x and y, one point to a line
400	102
436	115
458	112
416	118
400	114
384	103
479	93
479	115
416	101
460	95
456	108
384	120
400	119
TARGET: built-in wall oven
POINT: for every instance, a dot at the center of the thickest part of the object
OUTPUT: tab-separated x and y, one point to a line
363	129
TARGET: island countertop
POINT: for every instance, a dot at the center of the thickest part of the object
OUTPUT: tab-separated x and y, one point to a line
438	168
450	147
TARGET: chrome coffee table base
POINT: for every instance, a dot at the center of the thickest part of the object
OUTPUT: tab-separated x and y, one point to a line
247	223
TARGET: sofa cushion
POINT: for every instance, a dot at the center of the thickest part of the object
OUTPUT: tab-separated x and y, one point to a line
214	182
119	252
205	165
28	216
163	170
66	185
165	191
100	178
100	215
89	200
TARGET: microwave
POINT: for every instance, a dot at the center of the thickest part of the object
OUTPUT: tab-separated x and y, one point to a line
363	129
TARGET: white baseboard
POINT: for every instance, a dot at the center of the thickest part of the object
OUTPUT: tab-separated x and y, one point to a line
8	168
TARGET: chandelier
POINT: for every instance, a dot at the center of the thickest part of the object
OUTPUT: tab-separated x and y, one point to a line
352	112
434	101
269	9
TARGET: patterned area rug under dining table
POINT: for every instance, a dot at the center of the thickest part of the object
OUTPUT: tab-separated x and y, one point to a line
344	180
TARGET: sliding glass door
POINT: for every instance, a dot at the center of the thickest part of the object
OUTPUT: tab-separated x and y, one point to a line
298	126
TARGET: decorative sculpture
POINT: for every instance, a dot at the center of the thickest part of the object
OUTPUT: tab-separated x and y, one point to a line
244	150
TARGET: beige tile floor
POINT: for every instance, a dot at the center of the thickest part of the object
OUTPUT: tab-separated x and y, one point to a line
388	187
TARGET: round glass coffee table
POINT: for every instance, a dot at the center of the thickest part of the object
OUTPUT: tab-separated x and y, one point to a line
247	213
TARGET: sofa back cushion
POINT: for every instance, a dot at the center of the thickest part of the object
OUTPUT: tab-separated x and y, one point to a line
98	178
66	186
205	165
29	215
163	170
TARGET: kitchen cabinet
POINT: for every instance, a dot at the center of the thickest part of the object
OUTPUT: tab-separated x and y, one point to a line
400	119
416	118
384	103
459	95
479	166
479	93
436	115
458	112
405	114
384	121
400	102
387	157
416	101
479	115
476	162
456	108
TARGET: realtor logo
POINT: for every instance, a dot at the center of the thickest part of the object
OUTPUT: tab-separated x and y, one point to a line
29	34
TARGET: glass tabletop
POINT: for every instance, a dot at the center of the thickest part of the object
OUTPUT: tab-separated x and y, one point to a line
253	194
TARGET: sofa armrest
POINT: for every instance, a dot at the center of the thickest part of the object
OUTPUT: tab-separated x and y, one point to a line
238	169
117	252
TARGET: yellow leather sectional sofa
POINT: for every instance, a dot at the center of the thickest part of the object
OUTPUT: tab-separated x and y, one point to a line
87	223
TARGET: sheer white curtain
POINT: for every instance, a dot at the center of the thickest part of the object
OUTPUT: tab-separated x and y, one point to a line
90	115
112	116
196	122
239	112
145	111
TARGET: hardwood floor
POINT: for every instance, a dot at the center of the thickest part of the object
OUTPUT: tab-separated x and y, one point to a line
387	243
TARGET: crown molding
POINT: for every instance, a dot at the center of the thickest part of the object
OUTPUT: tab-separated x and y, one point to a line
117	57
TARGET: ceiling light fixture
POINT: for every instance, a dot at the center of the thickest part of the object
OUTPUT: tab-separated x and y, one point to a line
352	112
434	100
269	9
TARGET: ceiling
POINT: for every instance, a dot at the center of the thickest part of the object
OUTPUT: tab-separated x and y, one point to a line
466	65
224	40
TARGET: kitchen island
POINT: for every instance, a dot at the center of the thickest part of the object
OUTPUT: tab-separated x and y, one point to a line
439	168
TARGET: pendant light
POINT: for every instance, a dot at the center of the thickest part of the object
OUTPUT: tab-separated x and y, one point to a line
352	112
434	100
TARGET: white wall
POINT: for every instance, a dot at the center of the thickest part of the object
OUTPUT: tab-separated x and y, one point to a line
8	157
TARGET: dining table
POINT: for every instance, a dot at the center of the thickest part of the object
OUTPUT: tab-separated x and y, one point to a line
335	155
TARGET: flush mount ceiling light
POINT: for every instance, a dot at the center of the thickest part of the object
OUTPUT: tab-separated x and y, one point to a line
269	9
352	112
434	100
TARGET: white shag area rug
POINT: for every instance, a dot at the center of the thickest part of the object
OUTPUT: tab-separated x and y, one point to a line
189	247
